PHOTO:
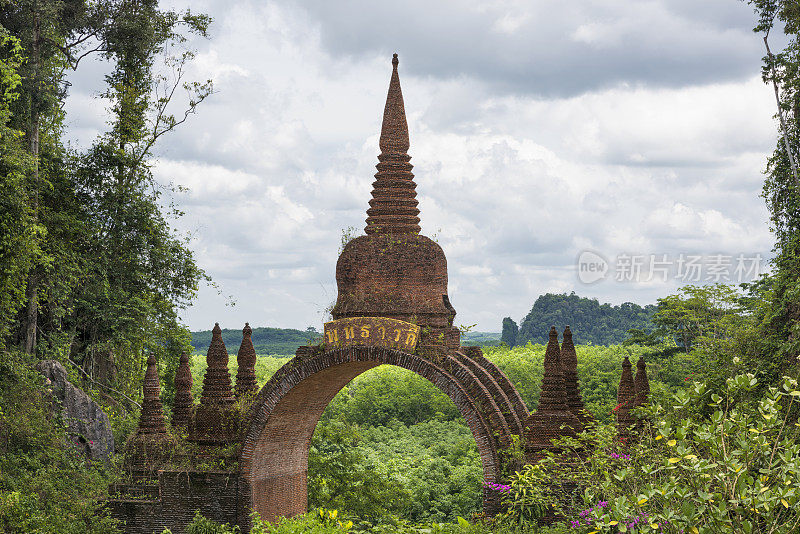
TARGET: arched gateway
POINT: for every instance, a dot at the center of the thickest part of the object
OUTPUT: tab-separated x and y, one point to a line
274	456
392	308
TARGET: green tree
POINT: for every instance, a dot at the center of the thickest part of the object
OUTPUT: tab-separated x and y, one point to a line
55	35
699	315
340	477
780	318
131	273
510	329
18	233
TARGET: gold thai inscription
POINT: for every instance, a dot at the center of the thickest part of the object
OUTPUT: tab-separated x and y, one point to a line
380	331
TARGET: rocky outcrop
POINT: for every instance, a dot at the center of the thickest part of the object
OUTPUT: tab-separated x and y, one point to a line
87	424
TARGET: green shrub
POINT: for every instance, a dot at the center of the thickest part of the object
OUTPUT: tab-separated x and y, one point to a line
715	461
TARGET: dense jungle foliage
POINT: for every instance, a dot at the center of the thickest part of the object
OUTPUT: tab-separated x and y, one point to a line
92	275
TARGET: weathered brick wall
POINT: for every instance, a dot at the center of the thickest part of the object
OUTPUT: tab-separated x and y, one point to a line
221	496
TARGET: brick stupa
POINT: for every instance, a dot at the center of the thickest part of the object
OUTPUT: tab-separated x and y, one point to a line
246	358
182	408
151	444
641	385
625	398
545	424
214	423
569	364
394	271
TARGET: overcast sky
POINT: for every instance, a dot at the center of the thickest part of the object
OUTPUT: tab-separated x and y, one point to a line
539	130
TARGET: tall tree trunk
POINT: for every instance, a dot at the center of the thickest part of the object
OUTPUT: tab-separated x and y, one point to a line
32	311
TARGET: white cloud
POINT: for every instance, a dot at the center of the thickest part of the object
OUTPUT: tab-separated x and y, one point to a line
648	140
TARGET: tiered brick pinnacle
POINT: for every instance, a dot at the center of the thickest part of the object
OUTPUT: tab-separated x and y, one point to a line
641	385
151	444
246	358
213	423
151	419
569	364
625	398
393	208
545	423
182	409
217	380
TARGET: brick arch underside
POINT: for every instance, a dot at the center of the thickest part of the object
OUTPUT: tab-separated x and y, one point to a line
274	454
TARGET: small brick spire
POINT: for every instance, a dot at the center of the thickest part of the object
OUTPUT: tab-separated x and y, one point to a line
151	418
246	358
569	364
213	422
182	410
545	423
625	398
641	385
151	444
393	208
217	380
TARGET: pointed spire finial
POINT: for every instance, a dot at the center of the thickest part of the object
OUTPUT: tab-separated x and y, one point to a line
182	408
625	398
211	425
552	418
569	363
151	444
641	384
246	359
393	208
394	131
151	418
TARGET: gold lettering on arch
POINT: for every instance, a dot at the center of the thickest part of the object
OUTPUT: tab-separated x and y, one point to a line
371	331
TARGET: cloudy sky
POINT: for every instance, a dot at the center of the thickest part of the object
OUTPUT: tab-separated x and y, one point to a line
634	129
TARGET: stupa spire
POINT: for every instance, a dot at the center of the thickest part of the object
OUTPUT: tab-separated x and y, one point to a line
569	364
151	444
545	423
151	419
641	384
246	358
213	423
393	208
217	380
182	410
625	398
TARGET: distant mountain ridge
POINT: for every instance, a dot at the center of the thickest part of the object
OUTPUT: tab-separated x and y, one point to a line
284	341
590	321
266	340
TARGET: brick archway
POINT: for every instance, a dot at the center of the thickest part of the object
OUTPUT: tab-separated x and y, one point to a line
274	454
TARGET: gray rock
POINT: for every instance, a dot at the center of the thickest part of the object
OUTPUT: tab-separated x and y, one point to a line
88	425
